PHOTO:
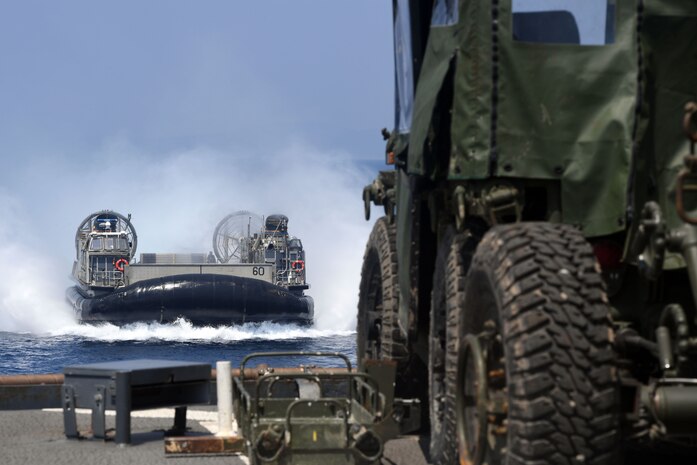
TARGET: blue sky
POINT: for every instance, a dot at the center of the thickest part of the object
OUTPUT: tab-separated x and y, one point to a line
172	74
180	112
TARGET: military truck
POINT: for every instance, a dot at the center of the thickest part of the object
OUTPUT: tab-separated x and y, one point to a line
535	272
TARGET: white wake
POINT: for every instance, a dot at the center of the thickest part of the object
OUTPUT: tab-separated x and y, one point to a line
183	331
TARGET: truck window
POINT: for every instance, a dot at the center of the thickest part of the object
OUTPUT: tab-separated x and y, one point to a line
579	22
444	13
404	71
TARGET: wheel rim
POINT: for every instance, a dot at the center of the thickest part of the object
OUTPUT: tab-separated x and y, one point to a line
373	339
437	398
371	324
471	401
481	402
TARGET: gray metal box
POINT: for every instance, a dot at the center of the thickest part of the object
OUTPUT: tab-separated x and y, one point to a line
132	385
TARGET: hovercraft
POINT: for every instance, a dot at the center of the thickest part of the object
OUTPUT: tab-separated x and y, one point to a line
255	273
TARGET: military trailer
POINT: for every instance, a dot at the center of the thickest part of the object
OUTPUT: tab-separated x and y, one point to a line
318	415
534	275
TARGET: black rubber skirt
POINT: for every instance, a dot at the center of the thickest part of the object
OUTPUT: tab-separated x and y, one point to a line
203	299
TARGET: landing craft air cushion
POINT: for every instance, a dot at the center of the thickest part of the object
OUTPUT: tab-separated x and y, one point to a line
256	274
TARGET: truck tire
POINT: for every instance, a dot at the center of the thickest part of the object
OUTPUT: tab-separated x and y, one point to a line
377	334
451	245
530	375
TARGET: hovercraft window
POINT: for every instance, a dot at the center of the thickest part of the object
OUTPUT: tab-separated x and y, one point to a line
270	254
578	22
96	244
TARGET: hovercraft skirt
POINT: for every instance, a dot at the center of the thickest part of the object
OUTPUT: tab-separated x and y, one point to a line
202	299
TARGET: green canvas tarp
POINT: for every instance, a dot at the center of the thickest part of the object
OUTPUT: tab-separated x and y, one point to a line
600	118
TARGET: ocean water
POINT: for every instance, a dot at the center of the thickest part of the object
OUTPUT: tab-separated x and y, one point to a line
49	351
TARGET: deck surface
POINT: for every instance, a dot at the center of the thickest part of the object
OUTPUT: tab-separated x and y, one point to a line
36	436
